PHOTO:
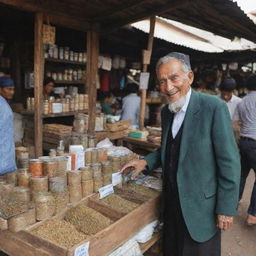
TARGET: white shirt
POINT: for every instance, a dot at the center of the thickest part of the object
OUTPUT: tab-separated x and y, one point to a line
247	115
232	107
131	108
179	116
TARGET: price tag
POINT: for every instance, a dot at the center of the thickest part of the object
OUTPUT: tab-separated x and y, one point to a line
82	250
116	178
106	190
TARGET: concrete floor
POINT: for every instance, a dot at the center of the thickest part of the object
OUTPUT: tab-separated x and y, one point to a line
240	240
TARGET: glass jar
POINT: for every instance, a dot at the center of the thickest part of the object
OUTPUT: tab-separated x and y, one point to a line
36	167
23	178
57	185
91	141
74	178
66	53
45	206
39	184
61	53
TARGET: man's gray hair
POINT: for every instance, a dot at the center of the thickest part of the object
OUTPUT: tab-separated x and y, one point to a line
176	55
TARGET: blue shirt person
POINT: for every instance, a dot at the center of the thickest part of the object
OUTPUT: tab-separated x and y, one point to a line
7	147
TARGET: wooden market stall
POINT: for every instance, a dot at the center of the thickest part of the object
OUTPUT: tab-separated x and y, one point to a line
97	18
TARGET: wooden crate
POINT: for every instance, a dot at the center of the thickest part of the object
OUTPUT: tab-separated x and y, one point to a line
104	242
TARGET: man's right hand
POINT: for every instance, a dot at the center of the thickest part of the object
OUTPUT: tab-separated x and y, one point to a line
137	165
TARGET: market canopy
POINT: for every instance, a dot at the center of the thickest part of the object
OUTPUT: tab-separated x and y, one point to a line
194	38
222	17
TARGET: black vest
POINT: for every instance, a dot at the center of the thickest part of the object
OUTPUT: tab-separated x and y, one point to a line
172	156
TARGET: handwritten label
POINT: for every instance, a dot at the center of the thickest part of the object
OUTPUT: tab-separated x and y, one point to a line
116	178
82	250
106	190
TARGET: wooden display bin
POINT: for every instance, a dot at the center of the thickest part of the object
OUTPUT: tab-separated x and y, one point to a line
107	240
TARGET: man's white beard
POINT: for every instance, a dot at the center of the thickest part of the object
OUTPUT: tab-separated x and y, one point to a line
176	106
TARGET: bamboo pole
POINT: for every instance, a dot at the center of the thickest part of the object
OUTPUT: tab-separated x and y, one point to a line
38	81
145	68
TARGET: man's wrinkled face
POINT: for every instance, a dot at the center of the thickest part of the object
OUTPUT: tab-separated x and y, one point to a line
7	92
226	95
173	81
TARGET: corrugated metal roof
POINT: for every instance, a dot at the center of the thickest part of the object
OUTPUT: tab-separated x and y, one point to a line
198	39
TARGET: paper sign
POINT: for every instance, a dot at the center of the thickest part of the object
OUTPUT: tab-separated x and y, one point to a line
69	164
116	178
82	250
144	78
106	191
79	159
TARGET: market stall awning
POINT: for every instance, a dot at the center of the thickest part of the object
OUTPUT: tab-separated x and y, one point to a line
194	38
222	17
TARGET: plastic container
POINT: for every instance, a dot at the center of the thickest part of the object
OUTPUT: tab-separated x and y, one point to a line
39	184
91	141
57	185
74	178
107	168
88	156
75	193
86	173
36	167
87	187
94	156
23	178
11	178
21	194
102	155
45	206
50	168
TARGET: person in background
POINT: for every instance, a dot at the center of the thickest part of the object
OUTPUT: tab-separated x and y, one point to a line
131	104
7	146
247	145
227	87
200	162
107	101
48	88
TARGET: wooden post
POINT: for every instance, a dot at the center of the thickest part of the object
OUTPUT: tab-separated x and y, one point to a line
145	68
38	82
91	74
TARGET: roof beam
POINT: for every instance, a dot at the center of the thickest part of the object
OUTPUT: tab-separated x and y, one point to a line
54	16
110	13
157	11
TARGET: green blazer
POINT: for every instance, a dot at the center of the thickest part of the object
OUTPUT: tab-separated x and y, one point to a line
208	172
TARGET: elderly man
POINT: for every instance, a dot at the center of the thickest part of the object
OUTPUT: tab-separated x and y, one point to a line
200	163
7	148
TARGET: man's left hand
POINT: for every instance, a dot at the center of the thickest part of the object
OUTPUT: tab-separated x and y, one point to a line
224	222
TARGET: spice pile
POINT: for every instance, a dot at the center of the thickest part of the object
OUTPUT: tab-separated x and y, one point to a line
87	220
119	203
60	232
148	192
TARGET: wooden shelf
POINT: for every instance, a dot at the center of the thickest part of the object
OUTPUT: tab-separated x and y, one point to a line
144	247
69	82
57	115
65	61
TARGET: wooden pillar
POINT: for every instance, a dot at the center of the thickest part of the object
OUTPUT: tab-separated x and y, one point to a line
91	73
38	83
145	68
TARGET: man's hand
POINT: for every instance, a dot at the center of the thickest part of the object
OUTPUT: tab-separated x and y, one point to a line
138	165
224	222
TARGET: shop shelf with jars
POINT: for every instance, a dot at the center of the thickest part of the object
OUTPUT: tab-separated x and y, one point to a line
75	82
53	60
